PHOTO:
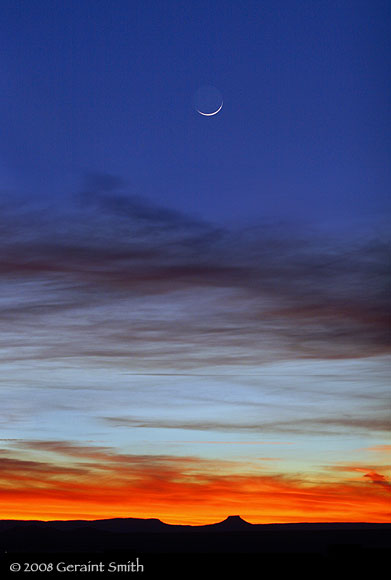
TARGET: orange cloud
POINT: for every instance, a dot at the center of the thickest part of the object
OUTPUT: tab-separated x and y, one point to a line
92	482
377	478
379	448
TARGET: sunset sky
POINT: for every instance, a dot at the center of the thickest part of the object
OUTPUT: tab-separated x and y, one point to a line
194	311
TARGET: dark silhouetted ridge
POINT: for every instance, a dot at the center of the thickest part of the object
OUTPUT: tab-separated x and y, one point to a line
123	538
126	525
231	524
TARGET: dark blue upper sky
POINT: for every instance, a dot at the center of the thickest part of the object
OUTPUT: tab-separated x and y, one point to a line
107	87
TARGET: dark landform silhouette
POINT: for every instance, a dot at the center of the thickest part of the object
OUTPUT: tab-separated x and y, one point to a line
154	525
233	533
232	542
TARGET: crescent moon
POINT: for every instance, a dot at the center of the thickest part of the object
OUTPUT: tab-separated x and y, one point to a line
211	114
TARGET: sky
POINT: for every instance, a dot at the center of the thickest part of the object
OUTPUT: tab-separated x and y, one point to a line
194	310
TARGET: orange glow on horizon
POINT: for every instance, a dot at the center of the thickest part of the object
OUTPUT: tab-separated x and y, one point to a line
183	490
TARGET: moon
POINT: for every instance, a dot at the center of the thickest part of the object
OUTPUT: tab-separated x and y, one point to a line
208	101
211	114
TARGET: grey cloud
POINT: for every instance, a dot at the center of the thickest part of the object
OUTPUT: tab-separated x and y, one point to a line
13	465
313	426
246	297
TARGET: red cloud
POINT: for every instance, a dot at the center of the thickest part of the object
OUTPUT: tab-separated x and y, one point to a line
88	482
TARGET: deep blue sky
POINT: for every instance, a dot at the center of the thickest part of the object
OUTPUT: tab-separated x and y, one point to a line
107	87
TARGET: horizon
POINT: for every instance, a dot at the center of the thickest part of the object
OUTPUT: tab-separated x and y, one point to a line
229	518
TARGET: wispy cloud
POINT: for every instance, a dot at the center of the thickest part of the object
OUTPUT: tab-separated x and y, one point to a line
174	290
313	426
102	482
372	472
379	448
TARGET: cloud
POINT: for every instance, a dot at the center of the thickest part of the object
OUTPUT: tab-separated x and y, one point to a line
106	458
16	468
187	489
110	273
378	479
379	448
370	472
313	426
240	442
